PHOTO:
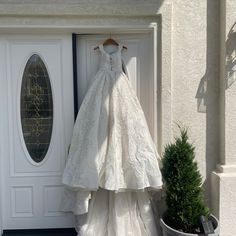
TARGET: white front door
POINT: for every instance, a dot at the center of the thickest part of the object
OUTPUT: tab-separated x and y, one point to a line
38	121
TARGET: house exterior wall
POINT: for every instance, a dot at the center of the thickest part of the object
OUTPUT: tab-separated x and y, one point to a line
195	78
194	46
224	178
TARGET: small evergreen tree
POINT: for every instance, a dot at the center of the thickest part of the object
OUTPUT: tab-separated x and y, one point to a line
184	196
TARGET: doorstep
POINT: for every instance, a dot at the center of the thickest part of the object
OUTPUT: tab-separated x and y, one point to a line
40	232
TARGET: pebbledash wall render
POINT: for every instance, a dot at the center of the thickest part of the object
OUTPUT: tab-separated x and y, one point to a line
195	43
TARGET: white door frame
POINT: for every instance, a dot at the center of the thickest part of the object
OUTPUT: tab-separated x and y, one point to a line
153	28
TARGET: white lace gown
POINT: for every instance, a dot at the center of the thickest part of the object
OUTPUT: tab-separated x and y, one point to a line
112	160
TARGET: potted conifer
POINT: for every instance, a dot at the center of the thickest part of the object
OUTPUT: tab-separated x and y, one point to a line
186	213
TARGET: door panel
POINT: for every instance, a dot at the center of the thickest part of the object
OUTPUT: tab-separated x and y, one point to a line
138	60
32	191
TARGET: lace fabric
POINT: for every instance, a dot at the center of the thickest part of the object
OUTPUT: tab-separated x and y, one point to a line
111	148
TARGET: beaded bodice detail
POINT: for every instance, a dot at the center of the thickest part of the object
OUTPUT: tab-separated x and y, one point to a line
111	61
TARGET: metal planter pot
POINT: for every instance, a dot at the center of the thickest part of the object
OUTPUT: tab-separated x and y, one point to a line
168	231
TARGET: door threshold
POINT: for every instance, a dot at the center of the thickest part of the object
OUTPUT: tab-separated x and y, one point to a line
40	232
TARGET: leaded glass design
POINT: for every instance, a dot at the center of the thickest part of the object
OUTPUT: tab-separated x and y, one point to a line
36	108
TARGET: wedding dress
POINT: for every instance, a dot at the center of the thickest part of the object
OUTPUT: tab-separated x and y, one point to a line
112	162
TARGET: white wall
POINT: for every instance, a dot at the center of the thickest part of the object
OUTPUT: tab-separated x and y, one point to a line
225	177
204	95
195	78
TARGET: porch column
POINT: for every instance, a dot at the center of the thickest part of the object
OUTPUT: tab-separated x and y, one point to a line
223	183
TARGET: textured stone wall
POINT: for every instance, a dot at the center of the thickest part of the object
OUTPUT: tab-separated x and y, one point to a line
225	177
196	79
230	85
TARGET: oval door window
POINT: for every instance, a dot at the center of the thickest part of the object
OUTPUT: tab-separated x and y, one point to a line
36	108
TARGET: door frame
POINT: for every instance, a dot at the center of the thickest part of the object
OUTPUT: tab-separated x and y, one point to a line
159	52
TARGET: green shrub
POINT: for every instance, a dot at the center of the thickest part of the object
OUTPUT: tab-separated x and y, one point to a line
183	181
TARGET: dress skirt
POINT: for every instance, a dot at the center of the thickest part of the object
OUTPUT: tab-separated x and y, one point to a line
111	145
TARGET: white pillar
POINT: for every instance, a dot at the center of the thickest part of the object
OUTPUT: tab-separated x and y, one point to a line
224	178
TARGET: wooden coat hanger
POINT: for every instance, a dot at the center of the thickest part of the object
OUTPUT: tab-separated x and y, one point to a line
110	41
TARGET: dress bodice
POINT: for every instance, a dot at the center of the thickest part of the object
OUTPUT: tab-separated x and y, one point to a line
110	61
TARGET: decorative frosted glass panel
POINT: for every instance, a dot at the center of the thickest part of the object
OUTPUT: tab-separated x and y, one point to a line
36	108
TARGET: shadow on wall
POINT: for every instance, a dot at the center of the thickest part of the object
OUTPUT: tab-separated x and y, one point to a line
230	69
202	94
208	94
230	62
208	90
